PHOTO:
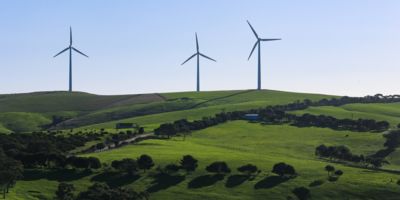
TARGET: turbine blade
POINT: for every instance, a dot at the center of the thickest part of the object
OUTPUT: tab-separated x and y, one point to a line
70	36
270	39
61	52
207	57
254	47
79	52
254	31
197	44
189	58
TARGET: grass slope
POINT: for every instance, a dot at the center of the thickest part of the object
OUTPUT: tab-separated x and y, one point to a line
240	143
210	103
23	122
389	112
41	102
46	104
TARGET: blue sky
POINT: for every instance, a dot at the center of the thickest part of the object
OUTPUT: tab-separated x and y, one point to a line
344	47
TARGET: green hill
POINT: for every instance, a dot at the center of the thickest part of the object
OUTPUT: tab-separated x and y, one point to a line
44	105
85	109
239	143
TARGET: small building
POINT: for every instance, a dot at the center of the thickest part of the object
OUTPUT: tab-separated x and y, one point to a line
125	125
252	117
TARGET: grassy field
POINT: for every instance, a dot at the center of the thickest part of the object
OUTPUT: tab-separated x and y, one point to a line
22	121
239	143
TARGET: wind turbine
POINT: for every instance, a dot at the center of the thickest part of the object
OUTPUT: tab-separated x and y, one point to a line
258	43
70	48
198	54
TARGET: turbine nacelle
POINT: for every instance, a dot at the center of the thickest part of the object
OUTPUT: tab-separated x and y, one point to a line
259	40
197	52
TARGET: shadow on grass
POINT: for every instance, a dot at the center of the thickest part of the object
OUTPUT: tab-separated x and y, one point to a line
316	183
270	182
333	178
204	181
58	175
236	180
115	179
163	181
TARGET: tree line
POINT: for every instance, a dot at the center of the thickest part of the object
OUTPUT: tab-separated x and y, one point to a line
343	153
278	114
38	150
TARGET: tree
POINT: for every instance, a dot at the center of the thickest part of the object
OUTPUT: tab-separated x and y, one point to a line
283	169
248	169
145	162
301	193
127	165
10	171
141	130
94	163
329	169
188	163
65	191
338	172
218	167
376	162
167	129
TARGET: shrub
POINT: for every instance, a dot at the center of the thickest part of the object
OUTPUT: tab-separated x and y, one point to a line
248	169
329	169
338	172
283	169
218	167
188	163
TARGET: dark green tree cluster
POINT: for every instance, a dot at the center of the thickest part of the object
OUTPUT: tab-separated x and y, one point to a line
132	166
41	149
343	153
99	191
360	125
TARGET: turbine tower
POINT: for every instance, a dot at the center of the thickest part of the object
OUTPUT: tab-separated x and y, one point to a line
258	43
70	48
198	54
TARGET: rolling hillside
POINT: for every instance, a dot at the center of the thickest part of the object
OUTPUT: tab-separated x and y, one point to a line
238	143
44	105
85	109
